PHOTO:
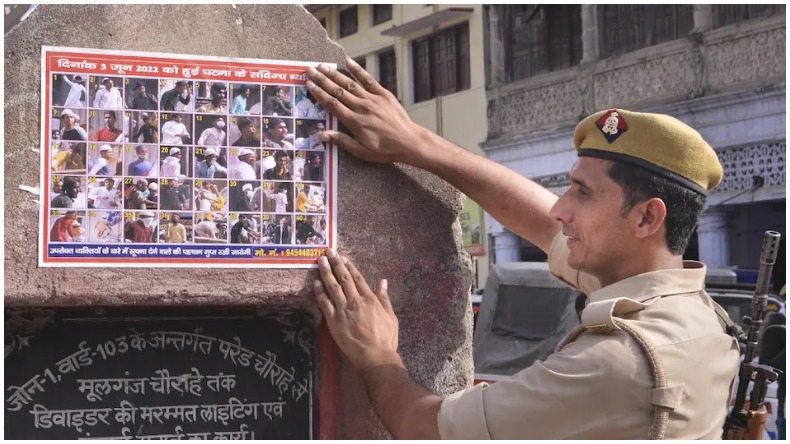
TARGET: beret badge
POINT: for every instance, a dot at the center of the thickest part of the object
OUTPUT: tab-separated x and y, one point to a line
612	125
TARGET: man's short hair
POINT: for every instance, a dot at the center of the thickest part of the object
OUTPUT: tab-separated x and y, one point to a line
280	153
112	113
683	204
139	148
181	83
174	115
243	122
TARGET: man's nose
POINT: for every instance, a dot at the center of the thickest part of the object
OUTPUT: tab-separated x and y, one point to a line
560	211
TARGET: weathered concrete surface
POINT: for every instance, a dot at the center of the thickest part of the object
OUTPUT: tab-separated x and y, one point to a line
395	222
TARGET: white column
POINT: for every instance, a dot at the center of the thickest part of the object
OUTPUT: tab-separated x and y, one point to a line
496	51
714	243
590	51
507	247
703	18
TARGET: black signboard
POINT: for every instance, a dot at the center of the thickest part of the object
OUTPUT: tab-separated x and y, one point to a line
243	377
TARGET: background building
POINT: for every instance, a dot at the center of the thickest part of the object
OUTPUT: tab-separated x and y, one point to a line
432	58
719	68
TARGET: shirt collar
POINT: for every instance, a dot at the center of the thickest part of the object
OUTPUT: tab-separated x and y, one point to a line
646	286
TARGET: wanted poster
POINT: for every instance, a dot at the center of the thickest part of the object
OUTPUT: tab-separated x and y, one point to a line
167	160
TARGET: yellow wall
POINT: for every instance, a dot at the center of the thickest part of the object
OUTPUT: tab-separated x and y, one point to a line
458	117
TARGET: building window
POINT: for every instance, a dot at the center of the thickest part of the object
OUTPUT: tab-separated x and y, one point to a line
323	22
348	21
362	61
441	63
381	14
626	28
541	39
388	71
724	15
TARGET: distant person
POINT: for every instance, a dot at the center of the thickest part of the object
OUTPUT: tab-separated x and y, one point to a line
179	94
78	94
240	101
108	97
174	132
63	229
277	131
214	136
147	130
109	133
175	232
69	130
142	166
143	99
278	104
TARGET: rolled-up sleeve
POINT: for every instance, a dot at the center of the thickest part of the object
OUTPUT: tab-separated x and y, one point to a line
461	415
575	393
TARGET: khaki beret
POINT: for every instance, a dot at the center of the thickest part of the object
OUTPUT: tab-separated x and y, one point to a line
656	142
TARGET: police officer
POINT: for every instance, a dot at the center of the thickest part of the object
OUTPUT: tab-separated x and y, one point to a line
652	358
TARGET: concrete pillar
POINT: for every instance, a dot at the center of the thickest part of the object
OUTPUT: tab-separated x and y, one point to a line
590	49
496	49
703	18
507	247
714	243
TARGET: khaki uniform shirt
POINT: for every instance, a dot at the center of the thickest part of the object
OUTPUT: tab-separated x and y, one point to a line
601	386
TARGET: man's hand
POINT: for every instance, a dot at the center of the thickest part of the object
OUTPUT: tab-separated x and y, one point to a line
362	323
383	131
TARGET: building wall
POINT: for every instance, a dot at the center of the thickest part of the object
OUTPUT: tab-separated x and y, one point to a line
459	117
728	83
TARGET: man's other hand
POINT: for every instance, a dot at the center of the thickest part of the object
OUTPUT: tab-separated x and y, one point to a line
383	131
362	322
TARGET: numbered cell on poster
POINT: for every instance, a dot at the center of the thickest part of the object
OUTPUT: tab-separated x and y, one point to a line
211	195
211	130
105	193
106	125
211	97
105	159
244	98
66	191
306	105
175	227
142	126
140	193
279	133
141	160
176	194
245	131
278	100
69	124
310	229
105	226
69	90
211	162
141	93
177	95
308	132
278	229
310	166
105	92
277	164
140	227
67	226
176	129
68	157
245	228
244	195
310	197
278	197
210	228
243	163
176	161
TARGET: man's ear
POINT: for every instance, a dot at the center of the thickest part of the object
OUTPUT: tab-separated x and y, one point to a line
652	214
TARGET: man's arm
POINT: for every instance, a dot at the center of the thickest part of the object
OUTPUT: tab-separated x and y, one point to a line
383	132
365	328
